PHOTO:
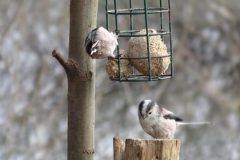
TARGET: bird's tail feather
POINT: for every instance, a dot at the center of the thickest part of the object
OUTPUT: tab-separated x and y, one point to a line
192	123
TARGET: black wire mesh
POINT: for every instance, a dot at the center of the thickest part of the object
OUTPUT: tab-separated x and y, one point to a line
152	14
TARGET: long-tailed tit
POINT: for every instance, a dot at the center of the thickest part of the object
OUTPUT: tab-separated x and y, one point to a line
159	122
100	43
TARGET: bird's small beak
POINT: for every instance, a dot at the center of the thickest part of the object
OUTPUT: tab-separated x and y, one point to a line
143	117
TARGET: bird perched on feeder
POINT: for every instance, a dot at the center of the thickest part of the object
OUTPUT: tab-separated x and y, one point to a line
138	52
100	43
159	122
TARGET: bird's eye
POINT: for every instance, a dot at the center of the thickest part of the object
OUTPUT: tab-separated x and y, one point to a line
149	112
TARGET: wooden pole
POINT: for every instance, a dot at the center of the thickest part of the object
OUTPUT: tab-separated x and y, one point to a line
138	149
81	89
80	69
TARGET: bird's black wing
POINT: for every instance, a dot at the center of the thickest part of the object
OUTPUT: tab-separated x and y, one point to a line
172	116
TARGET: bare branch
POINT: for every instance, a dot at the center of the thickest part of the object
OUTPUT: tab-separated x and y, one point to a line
60	59
72	68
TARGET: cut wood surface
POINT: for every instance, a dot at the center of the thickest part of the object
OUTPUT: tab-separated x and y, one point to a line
139	149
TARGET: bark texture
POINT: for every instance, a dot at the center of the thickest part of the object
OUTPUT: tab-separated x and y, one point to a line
80	69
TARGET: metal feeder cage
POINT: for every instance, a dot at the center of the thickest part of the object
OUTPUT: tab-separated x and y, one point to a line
153	14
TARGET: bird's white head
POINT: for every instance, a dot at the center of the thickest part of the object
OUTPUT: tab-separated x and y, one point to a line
147	109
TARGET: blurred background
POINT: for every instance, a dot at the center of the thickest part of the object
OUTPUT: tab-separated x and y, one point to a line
33	86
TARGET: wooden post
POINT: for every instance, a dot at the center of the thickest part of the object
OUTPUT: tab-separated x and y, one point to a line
138	149
80	69
119	147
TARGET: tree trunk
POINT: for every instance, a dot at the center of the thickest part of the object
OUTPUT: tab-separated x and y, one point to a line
80	69
137	149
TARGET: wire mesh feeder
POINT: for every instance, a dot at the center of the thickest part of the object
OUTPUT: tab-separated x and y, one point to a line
146	26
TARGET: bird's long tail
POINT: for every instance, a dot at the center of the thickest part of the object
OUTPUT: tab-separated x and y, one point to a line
192	123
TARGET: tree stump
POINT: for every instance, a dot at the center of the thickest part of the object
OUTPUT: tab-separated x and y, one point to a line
139	149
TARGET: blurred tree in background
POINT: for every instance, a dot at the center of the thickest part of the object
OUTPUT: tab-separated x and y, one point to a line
206	86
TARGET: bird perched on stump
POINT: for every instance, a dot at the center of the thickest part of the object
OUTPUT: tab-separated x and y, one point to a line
159	122
100	43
